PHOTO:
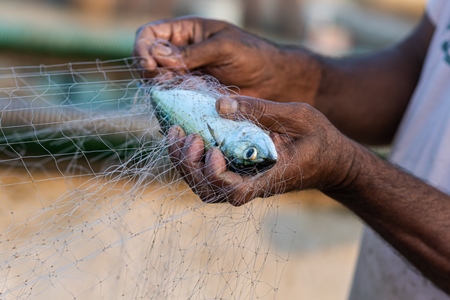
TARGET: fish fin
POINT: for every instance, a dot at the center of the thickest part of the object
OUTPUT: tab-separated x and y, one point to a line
222	143
211	131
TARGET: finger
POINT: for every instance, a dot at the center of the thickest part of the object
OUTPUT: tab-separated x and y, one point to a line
146	38
190	156
216	170
141	53
185	153
231	186
191	166
209	52
198	55
218	177
167	56
261	112
160	59
176	137
197	40
276	117
194	37
214	163
178	32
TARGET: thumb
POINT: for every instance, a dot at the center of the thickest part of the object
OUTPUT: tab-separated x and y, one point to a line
167	55
203	54
189	57
261	112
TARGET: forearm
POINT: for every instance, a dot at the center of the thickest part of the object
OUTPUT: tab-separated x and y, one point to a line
366	96
411	215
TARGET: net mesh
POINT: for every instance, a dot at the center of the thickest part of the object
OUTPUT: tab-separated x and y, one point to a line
92	209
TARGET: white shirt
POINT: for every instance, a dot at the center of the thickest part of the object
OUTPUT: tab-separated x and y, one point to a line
421	146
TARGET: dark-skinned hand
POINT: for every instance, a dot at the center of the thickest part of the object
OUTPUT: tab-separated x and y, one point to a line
311	153
254	66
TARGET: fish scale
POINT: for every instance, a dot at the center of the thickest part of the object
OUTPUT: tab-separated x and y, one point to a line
244	144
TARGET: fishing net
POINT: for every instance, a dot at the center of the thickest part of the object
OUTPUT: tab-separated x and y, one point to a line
92	209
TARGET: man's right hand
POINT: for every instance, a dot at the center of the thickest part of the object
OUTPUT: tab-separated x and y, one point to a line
257	67
312	153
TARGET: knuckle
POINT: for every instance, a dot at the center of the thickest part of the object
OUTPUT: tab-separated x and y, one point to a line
303	108
259	109
247	107
309	110
254	109
303	113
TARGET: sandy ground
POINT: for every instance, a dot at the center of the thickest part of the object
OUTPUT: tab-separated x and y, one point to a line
299	246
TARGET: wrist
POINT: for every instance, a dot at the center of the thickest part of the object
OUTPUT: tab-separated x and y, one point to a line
354	172
346	168
297	77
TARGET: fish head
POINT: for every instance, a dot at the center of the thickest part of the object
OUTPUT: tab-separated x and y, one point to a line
252	154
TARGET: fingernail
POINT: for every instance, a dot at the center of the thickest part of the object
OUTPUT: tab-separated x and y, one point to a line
143	64
226	106
162	50
208	156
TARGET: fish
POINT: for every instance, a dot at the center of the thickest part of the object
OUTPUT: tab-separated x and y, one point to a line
246	147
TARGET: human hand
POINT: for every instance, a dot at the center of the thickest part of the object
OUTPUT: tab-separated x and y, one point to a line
311	153
258	68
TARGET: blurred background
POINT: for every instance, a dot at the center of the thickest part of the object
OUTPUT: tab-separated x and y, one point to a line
323	255
47	31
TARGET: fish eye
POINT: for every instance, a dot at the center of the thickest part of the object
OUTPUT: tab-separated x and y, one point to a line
250	153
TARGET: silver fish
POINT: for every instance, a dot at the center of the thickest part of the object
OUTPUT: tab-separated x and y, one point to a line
246	146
